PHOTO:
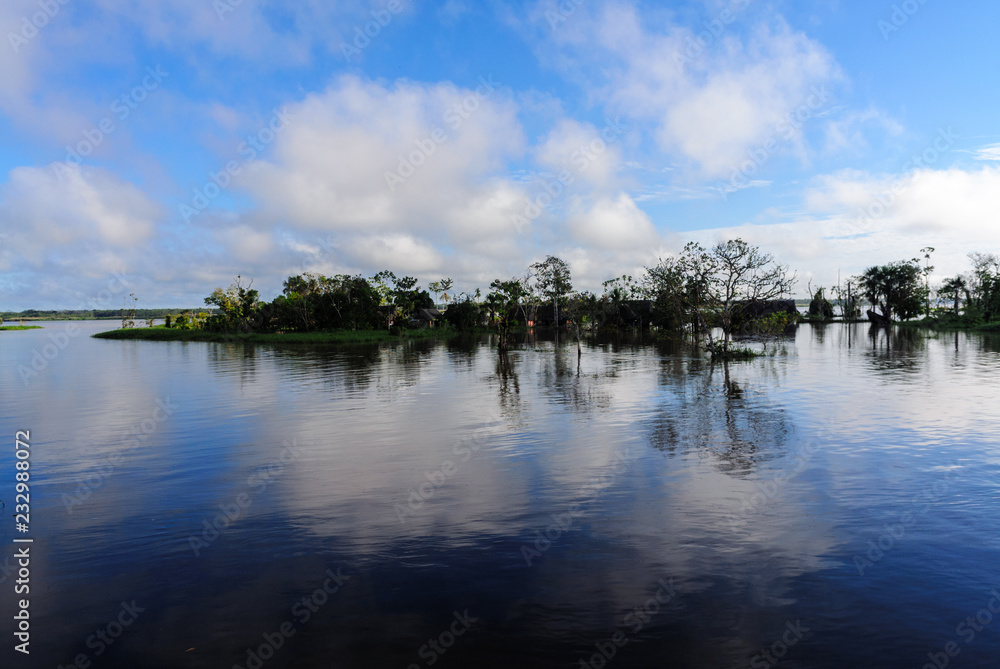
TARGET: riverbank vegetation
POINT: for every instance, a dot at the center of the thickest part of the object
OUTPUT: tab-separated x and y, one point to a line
713	296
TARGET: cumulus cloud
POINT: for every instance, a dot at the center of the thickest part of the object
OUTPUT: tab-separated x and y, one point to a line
708	105
87	206
835	234
615	223
384	166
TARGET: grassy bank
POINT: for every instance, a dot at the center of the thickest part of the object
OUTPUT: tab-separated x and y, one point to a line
21	327
951	325
161	333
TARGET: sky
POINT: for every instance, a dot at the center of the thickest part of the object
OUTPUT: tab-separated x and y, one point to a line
163	147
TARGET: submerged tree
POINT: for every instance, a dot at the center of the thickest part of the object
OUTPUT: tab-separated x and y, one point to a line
729	281
895	288
953	288
554	281
820	306
502	305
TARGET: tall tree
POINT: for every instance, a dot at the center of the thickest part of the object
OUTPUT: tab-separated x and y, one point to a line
926	270
730	280
501	305
554	281
895	288
441	288
953	288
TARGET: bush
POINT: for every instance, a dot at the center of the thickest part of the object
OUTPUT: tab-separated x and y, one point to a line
463	316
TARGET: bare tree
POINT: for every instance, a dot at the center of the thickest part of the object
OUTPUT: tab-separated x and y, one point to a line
729	280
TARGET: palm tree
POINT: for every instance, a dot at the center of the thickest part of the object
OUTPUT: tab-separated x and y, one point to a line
955	286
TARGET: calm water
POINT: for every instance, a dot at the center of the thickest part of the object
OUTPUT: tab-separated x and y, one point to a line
836	505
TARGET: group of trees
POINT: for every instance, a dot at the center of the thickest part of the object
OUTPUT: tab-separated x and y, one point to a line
312	302
732	287
723	286
974	297
901	291
699	290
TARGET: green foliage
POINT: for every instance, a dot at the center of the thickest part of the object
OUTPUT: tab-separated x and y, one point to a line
501	306
128	311
724	283
895	288
441	288
820	307
236	307
719	350
464	315
554	281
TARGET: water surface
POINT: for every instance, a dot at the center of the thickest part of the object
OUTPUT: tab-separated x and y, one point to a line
836	504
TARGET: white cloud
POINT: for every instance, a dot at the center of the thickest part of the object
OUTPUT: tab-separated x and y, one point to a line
377	165
580	149
990	152
614	223
710	108
90	208
946	209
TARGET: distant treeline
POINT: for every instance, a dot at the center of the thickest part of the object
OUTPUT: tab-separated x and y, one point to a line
83	314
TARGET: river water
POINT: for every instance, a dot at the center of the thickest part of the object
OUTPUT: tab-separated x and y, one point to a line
428	504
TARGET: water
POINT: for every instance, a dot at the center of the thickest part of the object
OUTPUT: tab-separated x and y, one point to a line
835	505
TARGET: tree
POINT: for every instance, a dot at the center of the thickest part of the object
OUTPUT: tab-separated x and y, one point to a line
128	311
820	306
501	305
464	314
441	288
848	299
954	287
927	269
667	286
402	296
895	289
730	280
236	305
985	284
554	281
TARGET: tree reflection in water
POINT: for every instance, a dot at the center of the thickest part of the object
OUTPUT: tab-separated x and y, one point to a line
735	426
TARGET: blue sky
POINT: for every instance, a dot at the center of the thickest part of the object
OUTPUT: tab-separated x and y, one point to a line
470	139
